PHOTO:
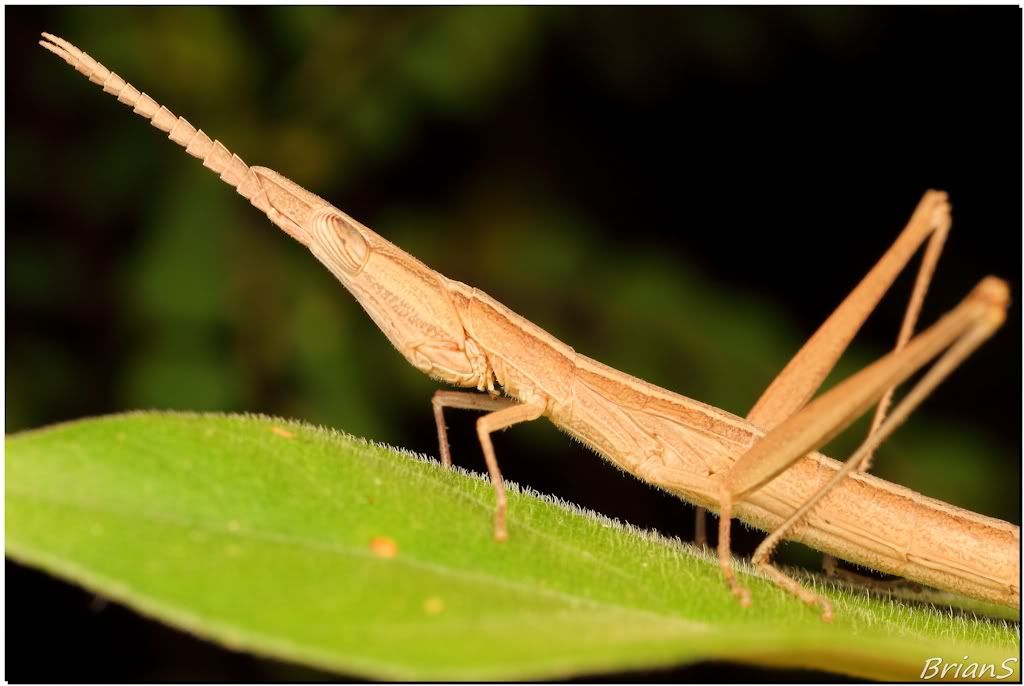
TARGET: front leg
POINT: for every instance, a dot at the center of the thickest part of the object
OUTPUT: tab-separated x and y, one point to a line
460	400
505	413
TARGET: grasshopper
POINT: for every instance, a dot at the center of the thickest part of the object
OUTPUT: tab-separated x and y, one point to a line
762	468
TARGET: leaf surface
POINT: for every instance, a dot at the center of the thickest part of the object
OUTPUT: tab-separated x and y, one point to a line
308	545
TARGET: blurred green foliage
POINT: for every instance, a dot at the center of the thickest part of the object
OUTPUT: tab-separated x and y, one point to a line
136	280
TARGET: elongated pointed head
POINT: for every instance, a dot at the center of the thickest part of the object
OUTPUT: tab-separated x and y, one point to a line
336	239
410	303
287	204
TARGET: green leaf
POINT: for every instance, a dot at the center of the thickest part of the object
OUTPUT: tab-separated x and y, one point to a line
307	545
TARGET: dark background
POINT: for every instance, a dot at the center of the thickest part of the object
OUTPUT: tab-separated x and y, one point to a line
682	193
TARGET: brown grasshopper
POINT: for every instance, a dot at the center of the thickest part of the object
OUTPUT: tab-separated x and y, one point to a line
762	469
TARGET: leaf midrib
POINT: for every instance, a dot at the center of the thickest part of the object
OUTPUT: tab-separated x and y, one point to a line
341	549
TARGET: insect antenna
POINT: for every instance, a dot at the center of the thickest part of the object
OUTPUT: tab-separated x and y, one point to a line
214	155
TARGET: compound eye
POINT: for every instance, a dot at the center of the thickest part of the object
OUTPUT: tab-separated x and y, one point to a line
338	241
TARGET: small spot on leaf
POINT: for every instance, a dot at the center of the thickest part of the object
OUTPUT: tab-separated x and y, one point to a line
433	605
384	547
282	432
